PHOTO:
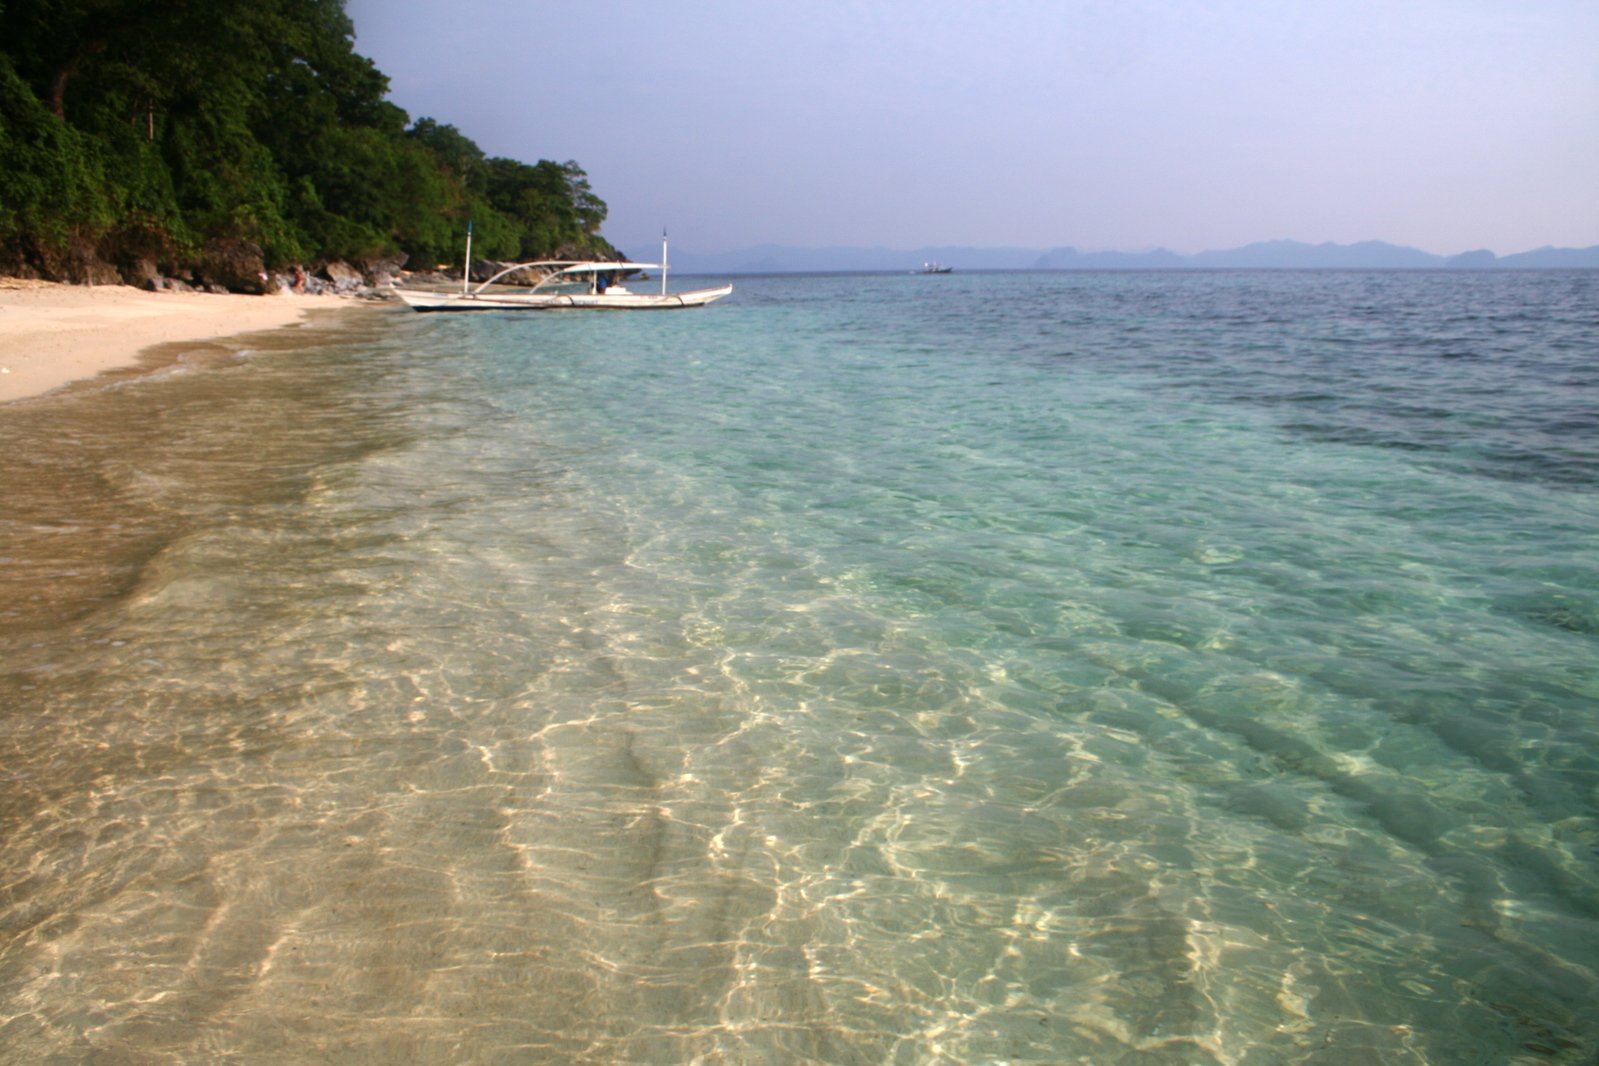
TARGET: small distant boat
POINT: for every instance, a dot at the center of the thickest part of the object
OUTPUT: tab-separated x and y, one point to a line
933	268
563	284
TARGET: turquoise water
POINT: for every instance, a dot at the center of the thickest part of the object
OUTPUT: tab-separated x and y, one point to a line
1033	668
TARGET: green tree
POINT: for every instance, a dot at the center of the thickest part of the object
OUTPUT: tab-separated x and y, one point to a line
143	129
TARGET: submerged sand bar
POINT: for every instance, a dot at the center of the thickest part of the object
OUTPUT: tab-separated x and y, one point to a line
52	334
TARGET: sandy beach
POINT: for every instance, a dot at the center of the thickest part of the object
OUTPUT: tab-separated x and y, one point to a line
53	334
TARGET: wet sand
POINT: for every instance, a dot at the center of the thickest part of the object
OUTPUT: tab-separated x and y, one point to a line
52	335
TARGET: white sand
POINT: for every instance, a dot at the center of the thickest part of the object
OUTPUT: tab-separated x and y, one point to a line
53	334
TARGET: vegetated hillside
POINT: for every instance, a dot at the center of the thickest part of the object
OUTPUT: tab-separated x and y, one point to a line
217	139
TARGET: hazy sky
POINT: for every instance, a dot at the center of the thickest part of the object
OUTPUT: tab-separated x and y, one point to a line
1448	125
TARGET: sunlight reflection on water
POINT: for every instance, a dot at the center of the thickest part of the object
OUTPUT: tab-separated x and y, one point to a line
797	681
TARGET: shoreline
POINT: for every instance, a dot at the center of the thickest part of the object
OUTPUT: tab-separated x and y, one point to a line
52	334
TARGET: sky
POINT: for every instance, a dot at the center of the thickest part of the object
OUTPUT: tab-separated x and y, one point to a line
1193	125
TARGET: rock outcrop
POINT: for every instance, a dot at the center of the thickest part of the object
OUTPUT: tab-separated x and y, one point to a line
225	264
233	265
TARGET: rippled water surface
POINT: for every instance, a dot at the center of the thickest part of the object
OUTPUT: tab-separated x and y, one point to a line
1037	668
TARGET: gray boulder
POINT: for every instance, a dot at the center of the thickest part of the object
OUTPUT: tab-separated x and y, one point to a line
343	277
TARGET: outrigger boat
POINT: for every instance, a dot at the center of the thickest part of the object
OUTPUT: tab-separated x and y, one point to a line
563	284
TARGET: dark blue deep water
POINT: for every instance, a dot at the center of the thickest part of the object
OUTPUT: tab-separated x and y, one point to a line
1017	668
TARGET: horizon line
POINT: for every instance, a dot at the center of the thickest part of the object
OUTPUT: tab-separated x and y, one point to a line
1145	250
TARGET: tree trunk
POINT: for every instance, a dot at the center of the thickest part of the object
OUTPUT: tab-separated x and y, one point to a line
58	89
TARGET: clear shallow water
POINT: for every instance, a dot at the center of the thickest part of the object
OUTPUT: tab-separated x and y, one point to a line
972	669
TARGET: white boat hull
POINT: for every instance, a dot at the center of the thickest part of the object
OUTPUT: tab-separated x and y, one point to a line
422	300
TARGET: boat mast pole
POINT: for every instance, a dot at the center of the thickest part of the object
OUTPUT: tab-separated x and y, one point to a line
466	268
663	260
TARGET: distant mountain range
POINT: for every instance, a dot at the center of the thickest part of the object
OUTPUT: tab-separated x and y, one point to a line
1265	255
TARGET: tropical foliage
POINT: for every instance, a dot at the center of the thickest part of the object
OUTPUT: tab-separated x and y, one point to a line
132	129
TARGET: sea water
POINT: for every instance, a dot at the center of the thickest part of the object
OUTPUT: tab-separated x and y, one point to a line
1012	668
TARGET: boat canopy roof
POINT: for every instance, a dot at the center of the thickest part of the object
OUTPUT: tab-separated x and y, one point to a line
554	268
584	268
578	266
